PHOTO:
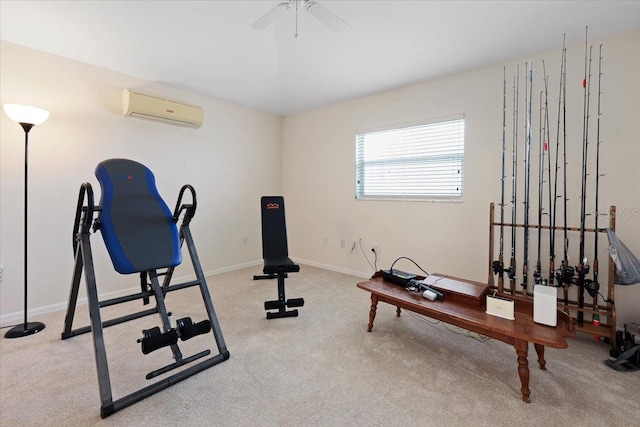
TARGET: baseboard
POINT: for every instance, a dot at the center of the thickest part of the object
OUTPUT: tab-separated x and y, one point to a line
333	268
33	313
229	268
18	317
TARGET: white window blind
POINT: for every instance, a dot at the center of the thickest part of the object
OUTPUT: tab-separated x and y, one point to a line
416	162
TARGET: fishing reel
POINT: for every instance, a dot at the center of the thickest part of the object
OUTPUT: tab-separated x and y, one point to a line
511	272
584	271
564	275
538	279
497	267
592	287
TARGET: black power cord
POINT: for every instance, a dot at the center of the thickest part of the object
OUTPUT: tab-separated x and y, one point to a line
375	259
407	258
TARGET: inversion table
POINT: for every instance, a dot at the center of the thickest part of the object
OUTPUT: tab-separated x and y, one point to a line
142	236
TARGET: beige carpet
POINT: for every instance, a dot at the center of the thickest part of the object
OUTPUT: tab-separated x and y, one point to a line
319	369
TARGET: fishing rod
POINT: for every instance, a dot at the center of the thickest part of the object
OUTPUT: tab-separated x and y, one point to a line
536	272
553	207
527	184
498	266
583	266
511	271
544	148
564	275
594	286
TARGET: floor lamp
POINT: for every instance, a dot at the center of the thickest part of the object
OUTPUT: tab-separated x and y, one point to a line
28	117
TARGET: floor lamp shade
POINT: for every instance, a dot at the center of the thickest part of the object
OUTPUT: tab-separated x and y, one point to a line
26	114
28	117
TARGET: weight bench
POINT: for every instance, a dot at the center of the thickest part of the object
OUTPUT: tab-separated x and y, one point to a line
276	256
142	236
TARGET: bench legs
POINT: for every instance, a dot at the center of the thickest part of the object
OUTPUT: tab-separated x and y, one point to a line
372	311
522	348
540	351
282	303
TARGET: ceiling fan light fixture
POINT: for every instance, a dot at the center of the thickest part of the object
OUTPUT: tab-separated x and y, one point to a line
271	16
325	16
314	8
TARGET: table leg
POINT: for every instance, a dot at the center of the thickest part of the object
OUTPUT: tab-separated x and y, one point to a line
541	361
398	311
372	311
522	348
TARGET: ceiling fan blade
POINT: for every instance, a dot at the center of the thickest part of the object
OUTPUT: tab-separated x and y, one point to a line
271	16
325	16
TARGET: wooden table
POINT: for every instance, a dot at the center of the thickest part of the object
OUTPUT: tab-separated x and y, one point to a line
519	332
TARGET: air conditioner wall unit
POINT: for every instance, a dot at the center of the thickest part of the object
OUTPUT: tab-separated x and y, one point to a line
148	107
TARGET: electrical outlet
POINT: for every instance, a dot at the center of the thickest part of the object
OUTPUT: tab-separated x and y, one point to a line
1	273
245	240
343	243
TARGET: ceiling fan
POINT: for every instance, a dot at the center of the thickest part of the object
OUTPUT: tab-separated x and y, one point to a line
320	12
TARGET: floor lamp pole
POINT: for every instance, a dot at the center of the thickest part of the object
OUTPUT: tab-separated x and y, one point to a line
26	328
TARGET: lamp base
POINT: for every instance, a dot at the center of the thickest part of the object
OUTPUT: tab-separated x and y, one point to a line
22	331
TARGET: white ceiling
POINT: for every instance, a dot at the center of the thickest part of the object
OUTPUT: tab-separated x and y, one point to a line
209	47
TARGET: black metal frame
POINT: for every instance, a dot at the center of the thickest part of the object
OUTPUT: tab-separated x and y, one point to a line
84	263
282	303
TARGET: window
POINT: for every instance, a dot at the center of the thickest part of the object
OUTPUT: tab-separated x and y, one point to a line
421	162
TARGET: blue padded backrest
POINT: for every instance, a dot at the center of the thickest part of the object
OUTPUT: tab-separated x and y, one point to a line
136	224
274	227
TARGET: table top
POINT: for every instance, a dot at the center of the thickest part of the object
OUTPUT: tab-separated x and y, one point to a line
474	317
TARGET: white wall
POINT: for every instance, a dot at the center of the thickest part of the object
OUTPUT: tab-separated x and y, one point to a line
452	238
239	153
233	159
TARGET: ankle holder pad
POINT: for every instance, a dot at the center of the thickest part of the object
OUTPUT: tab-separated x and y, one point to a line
154	339
295	302
188	329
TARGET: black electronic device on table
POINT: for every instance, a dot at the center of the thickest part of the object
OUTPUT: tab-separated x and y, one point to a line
410	282
398	277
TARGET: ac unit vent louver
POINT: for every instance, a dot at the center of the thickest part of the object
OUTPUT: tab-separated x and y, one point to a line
163	110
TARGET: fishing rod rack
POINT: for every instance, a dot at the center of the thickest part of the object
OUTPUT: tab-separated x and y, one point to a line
596	306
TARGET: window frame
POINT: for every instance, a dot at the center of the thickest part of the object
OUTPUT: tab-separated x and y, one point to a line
359	169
